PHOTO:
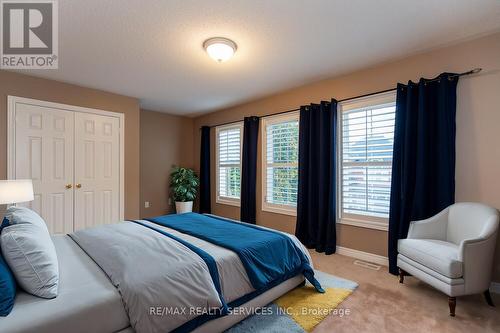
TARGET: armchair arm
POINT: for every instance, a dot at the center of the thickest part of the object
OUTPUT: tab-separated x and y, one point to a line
434	227
487	236
477	257
467	246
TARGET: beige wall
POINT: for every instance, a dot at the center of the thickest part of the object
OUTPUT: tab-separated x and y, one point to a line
47	90
153	141
165	141
478	120
478	126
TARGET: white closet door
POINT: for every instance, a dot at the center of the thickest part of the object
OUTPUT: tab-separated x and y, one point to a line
97	170
44	153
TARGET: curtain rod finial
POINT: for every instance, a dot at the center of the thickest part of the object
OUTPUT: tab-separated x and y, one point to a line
476	70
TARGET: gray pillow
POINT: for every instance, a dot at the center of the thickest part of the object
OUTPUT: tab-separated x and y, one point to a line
24	215
29	251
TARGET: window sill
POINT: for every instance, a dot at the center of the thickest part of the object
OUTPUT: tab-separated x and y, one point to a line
383	226
279	210
228	202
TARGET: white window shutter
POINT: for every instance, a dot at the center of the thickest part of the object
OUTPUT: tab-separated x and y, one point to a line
367	145
229	161
281	162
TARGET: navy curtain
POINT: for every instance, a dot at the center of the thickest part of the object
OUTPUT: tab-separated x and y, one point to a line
205	199
249	169
316	201
423	166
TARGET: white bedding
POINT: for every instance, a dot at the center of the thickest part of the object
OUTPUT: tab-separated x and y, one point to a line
87	301
163	280
233	277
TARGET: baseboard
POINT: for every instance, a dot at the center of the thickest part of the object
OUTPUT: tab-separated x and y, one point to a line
366	256
495	287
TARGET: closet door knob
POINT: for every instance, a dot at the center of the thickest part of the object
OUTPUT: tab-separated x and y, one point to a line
68	186
78	185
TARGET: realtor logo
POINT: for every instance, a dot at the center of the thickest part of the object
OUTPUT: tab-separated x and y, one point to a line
29	34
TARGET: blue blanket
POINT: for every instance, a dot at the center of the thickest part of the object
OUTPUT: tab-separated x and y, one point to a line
267	255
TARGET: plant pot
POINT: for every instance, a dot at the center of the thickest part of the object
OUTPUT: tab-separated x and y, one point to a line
183	207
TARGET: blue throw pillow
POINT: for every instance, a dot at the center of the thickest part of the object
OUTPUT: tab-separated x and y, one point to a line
7	288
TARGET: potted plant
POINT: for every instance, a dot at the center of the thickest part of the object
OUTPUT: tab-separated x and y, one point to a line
184	185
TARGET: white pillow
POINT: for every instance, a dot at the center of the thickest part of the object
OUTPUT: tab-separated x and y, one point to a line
29	251
20	215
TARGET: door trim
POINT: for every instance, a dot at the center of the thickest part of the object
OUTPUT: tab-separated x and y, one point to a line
11	135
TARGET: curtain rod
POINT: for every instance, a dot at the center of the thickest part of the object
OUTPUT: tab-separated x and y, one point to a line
472	71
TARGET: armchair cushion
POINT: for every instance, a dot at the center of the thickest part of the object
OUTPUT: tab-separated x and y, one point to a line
440	256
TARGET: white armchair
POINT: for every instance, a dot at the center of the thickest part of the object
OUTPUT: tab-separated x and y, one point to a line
452	251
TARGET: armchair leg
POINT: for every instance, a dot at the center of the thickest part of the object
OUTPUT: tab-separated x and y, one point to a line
452	303
402	275
487	296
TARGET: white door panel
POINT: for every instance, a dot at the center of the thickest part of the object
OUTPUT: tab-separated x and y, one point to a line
60	146
44	153
97	170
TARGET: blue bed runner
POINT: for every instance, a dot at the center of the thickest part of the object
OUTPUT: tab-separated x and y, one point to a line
267	255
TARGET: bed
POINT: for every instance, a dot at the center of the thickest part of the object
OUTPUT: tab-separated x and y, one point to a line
92	298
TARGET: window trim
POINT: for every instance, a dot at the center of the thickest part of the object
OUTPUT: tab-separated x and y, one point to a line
266	206
358	220
221	199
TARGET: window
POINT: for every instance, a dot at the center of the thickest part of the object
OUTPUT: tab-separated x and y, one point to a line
229	141
367	132
280	163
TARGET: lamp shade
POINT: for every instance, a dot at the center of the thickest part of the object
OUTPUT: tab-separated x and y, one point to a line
14	191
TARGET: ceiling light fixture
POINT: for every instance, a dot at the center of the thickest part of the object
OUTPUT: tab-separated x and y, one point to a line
219	48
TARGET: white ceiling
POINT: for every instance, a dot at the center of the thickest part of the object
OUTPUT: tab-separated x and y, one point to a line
152	49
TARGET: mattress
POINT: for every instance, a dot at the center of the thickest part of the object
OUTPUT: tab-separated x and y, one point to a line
87	301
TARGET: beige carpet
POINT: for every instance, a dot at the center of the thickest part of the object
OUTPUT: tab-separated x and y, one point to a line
382	304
